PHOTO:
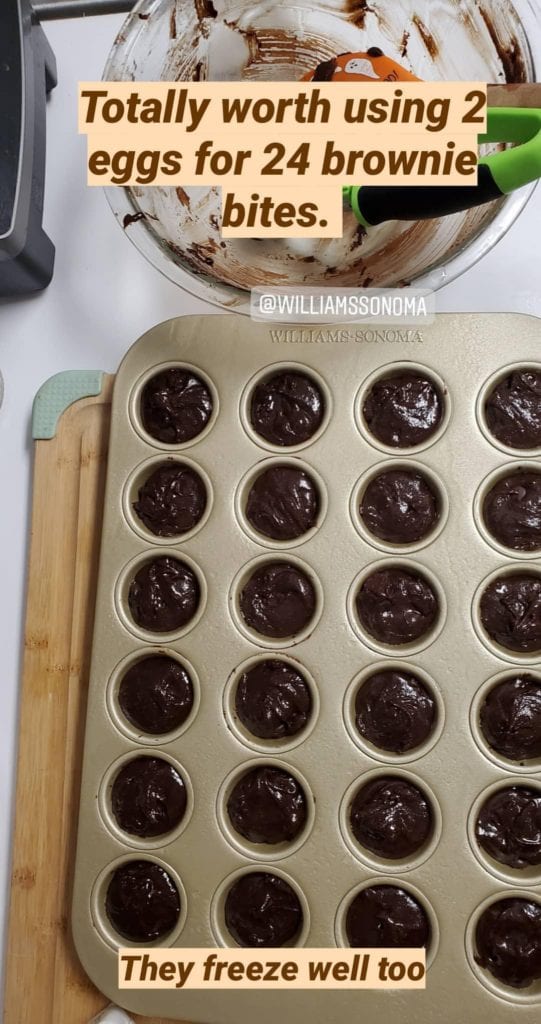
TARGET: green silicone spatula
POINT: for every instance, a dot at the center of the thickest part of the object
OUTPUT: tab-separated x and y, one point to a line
499	174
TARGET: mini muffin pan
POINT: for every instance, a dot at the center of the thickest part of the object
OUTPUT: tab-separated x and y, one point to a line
454	769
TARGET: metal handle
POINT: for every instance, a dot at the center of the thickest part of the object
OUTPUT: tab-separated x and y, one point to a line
50	10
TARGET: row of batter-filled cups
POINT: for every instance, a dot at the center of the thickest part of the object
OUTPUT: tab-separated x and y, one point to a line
394	606
393	711
400	505
144	902
288	405
389	817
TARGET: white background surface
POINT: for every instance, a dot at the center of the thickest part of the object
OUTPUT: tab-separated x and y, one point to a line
103	296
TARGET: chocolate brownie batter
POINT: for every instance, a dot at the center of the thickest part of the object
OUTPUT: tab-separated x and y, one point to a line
287	408
508	826
399	506
512	510
396	606
156	695
164	595
391	817
386	916
172	500
513	410
278	600
142	901
262	910
283	503
325	70
403	409
176	405
148	797
394	711
273	700
510	610
267	805
508	941
510	718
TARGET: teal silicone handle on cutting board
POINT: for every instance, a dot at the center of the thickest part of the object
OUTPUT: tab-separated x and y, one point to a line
499	174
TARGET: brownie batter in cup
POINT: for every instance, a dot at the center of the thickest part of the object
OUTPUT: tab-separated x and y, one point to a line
403	409
142	901
148	797
510	718
262	910
278	600
386	916
512	510
267	805
164	595
399	506
508	826
156	694
394	711
287	408
396	606
508	941
510	611
513	410
391	817
172	500
273	700
176	405
283	503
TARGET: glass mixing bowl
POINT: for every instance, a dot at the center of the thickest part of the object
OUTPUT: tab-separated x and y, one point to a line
178	229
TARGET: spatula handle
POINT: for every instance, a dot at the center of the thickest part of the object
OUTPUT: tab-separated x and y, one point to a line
499	174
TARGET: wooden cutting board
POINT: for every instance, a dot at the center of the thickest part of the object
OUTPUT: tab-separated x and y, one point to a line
45	983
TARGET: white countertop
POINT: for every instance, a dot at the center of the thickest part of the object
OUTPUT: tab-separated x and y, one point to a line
103	296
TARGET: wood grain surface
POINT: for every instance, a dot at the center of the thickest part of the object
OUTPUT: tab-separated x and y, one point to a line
45	983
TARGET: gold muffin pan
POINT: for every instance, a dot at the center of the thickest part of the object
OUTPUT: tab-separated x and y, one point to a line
450	877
